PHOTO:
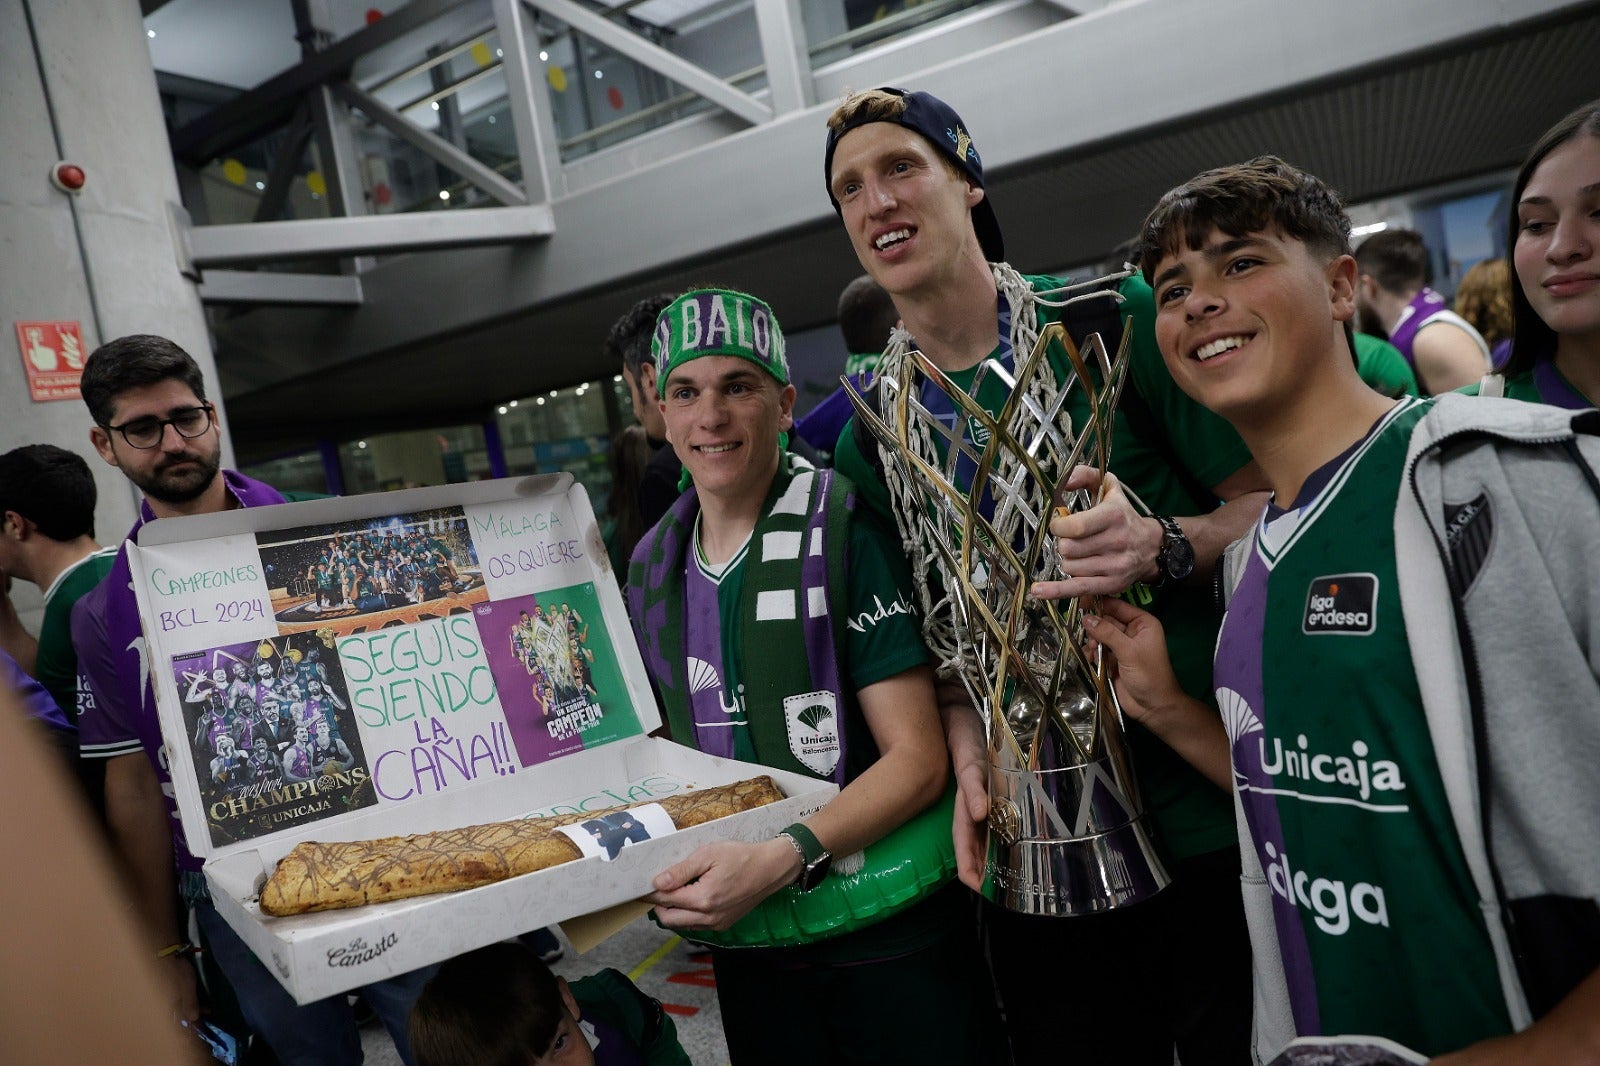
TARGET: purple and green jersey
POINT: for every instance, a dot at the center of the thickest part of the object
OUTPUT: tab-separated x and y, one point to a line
1426	308
1376	915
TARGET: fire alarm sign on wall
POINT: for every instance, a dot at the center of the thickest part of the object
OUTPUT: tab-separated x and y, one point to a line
53	355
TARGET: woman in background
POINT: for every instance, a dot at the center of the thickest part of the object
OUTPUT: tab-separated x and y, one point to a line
623	524
1484	299
1555	288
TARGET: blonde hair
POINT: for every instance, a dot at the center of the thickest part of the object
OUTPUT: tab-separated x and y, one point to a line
869	105
1484	299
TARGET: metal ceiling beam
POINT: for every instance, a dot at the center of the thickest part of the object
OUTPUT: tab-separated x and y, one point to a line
284	166
269	104
788	60
431	145
270	287
1077	7
260	242
658	59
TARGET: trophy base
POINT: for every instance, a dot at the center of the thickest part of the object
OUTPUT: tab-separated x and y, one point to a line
1069	841
1067	878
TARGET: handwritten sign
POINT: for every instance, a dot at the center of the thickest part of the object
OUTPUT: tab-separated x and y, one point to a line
207	594
426	702
527	545
653	787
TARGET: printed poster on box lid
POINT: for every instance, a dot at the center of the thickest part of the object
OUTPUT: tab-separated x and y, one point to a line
320	658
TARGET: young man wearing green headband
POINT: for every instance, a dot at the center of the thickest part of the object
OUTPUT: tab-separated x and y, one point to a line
776	619
905	175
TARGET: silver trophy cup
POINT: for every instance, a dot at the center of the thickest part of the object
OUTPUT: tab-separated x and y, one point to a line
1067	832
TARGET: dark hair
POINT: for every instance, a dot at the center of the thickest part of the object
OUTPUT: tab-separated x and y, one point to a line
496	1006
629	338
1397	259
1263	194
630	454
50	487
129	362
866	316
1534	339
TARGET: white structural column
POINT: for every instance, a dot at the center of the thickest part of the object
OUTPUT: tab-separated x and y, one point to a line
77	84
783	45
532	120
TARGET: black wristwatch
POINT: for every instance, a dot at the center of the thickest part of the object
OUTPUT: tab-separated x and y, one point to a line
1175	559
815	862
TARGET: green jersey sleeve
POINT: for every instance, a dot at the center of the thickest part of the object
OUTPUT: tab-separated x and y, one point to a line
1204	443
1382	367
848	460
883	631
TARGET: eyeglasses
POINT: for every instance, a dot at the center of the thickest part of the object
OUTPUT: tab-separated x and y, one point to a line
147	432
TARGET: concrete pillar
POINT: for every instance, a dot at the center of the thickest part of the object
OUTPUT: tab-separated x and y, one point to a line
76	84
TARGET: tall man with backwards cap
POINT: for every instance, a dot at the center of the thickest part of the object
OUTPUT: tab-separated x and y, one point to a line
906	178
777	620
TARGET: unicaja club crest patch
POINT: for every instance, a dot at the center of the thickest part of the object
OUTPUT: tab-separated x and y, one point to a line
812	719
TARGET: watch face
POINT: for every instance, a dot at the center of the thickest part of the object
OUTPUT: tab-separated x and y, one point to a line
1180	559
815	872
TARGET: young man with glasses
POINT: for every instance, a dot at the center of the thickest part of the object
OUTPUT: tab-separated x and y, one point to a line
152	422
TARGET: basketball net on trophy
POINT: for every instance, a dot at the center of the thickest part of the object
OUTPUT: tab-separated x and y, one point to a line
1067	832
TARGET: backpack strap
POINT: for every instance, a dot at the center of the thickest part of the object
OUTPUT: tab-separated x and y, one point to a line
1492	384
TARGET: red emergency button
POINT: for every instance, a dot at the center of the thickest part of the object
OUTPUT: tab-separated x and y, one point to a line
68	177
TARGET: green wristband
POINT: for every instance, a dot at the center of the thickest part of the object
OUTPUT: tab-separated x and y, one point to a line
811	848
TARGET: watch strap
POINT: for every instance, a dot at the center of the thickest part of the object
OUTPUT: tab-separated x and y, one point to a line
805	842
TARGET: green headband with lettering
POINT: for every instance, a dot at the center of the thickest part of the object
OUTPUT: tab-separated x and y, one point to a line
717	322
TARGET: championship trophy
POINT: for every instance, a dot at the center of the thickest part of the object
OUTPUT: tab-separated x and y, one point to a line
1067	832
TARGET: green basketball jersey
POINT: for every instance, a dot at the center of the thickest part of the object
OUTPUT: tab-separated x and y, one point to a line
1376	915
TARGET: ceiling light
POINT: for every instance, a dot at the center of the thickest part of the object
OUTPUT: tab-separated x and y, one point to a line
499	53
598	74
501	409
444	194
436	105
491	120
554	393
149	33
544	57
540	401
261	185
361	444
1362	231
617	379
513	403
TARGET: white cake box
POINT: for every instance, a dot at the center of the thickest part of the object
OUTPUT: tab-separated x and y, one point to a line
455	655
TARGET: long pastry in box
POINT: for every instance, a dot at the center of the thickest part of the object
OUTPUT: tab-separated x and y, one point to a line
319	876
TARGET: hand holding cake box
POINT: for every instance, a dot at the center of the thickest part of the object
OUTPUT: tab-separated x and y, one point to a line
318	876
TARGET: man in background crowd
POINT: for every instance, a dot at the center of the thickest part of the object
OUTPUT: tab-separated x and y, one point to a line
866	318
47	500
629	343
1441	346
